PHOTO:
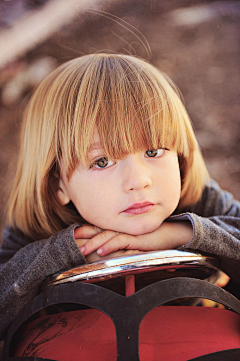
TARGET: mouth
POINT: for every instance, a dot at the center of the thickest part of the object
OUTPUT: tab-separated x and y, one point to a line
139	208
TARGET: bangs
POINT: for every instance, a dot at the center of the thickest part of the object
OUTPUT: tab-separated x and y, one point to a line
128	102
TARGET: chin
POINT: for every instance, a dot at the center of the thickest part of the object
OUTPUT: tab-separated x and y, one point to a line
142	229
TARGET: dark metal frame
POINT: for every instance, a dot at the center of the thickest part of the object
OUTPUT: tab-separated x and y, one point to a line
125	312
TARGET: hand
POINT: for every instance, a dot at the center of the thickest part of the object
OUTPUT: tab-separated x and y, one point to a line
169	235
86	232
94	257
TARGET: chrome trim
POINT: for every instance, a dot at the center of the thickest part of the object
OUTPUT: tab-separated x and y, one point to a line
122	266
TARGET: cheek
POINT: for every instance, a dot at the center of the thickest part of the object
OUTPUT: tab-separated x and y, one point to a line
94	203
176	177
173	184
92	197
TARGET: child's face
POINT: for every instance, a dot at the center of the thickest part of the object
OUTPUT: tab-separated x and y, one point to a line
133	195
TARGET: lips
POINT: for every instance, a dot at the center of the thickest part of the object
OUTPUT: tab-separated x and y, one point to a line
139	208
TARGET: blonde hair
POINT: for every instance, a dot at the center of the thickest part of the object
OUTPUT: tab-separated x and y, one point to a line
130	103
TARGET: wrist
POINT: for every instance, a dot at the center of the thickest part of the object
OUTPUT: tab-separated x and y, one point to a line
181	233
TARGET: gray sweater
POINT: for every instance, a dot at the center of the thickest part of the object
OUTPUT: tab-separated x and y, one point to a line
25	264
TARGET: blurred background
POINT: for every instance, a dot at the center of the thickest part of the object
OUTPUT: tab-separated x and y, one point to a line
195	42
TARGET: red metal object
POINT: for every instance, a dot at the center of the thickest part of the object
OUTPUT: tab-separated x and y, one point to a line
175	333
129	285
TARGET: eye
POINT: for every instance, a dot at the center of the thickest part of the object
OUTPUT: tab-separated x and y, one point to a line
155	152
102	163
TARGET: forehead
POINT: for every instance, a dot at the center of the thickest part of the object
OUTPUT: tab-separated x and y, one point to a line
95	142
115	149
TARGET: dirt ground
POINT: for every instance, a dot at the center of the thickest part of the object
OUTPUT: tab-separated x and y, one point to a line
195	42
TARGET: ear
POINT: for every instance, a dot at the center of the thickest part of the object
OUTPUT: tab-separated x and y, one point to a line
62	193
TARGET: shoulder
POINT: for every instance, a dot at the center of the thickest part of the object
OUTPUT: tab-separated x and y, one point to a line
215	201
14	239
12	242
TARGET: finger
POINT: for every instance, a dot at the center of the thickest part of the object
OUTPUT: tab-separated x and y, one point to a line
86	231
118	242
123	253
97	241
81	241
94	257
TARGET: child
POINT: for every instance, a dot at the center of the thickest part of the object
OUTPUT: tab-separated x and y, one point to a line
107	144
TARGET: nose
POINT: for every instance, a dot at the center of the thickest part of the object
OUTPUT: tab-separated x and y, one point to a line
136	173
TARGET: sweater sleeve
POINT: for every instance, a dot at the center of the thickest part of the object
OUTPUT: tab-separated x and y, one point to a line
24	265
216	228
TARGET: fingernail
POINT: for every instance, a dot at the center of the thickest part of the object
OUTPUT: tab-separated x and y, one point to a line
82	249
99	251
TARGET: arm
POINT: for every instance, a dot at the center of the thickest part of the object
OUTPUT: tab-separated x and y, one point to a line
216	223
212	225
95	242
24	265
